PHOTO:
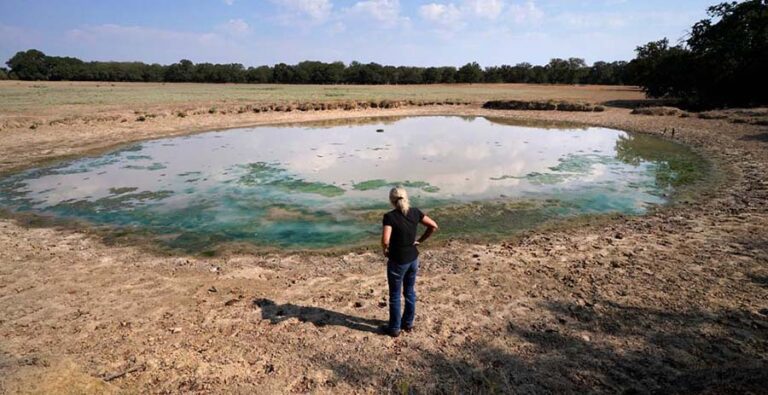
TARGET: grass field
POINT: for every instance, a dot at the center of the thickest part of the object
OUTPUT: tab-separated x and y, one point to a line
40	98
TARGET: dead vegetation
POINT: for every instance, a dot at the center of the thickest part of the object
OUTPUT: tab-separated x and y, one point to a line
537	105
752	116
657	111
142	116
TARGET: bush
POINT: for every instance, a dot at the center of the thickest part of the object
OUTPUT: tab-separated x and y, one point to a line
658	111
541	106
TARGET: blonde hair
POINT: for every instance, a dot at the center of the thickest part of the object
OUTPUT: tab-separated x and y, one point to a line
399	198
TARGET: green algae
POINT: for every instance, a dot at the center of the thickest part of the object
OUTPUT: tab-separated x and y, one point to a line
580	164
371	185
121	190
673	165
102	208
152	167
537	178
264	174
378	184
305	196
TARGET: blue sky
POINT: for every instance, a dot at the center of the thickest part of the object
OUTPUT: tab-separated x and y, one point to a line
418	32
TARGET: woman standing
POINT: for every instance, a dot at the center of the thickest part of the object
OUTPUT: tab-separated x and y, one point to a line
398	239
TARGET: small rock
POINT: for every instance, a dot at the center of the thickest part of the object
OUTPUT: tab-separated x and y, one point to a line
212	289
475	255
358	305
382	304
176	330
586	338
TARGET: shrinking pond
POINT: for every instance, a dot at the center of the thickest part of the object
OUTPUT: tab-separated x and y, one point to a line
316	186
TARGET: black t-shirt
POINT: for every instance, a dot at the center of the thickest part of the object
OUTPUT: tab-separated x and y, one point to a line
401	248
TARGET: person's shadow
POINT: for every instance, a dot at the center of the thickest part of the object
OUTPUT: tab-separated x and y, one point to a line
316	315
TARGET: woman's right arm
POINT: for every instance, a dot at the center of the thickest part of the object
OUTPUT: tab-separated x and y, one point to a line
431	228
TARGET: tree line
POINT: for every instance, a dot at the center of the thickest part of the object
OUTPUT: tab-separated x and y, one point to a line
723	61
35	65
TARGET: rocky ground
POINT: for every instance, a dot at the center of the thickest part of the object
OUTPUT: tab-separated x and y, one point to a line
672	302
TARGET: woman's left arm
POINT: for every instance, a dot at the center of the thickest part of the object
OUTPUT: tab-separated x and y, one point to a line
386	233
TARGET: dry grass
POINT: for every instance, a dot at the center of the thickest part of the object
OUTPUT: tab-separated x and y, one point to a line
23	98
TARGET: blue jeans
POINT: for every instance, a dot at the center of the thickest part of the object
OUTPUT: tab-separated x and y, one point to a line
402	278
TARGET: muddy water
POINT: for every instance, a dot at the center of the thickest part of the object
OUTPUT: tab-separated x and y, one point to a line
316	186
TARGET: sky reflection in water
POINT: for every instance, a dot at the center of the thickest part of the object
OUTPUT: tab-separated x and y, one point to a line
309	186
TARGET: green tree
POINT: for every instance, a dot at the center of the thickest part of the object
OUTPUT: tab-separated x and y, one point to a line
448	74
283	74
470	73
30	65
180	72
259	75
722	63
730	50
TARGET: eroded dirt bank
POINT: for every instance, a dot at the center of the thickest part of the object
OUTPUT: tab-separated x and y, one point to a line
676	301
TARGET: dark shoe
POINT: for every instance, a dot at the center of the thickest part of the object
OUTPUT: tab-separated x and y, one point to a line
385	330
407	329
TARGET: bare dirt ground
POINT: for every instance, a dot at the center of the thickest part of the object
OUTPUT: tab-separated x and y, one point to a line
672	302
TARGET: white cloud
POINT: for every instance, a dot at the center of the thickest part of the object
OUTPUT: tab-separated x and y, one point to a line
450	17
385	11
525	13
228	2
338	28
490	9
235	27
444	14
316	9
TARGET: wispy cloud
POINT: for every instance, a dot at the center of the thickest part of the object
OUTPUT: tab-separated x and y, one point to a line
386	12
317	10
527	12
443	14
235	27
489	9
